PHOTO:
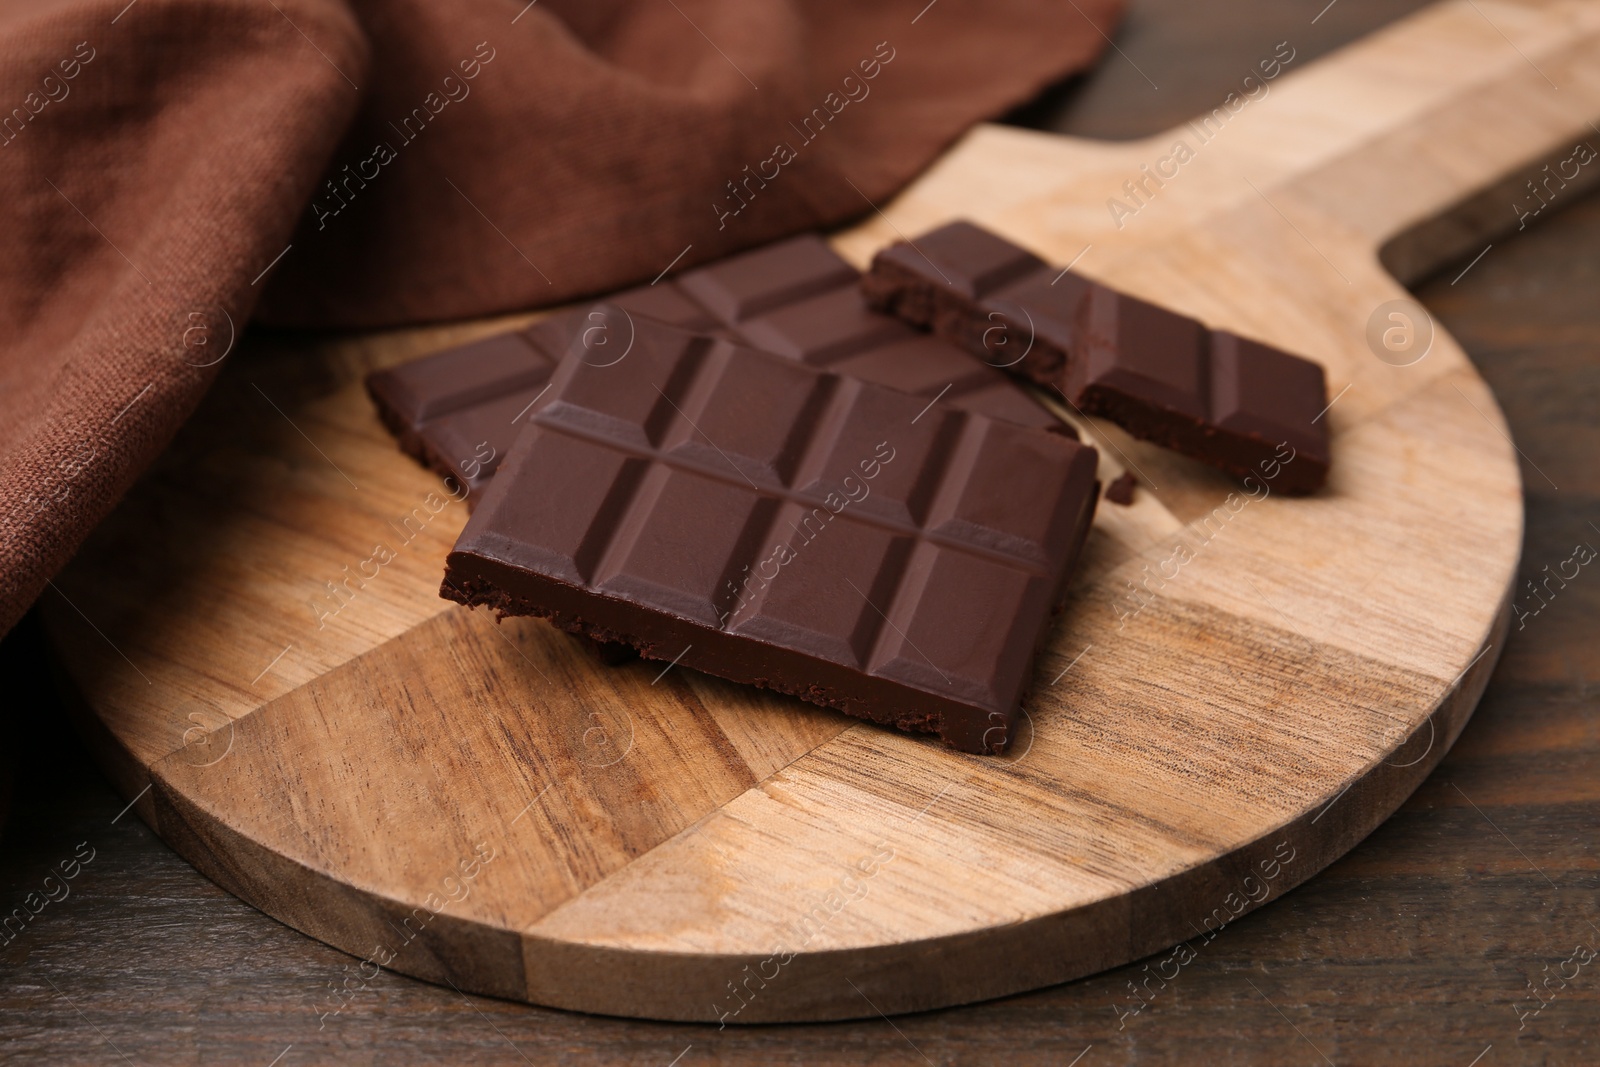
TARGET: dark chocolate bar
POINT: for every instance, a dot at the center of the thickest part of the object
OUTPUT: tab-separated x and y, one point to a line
1222	399
753	517
456	410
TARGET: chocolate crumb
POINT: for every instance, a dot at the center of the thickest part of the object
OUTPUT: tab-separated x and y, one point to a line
1120	491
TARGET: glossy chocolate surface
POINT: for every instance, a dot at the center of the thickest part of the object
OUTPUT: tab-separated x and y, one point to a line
1225	400
455	411
756	518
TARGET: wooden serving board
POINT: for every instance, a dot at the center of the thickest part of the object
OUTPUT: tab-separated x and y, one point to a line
484	805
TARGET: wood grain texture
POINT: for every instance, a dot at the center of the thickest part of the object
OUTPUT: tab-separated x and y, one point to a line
1146	792
1411	949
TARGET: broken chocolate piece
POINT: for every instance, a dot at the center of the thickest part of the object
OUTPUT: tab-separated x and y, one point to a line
1234	403
456	411
759	519
1120	491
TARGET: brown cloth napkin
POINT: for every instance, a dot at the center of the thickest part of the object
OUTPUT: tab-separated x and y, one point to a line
166	165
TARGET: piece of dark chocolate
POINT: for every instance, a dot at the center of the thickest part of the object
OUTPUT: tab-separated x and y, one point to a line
1222	399
759	519
455	411
1120	491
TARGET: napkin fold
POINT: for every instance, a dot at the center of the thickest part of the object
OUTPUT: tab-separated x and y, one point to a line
172	169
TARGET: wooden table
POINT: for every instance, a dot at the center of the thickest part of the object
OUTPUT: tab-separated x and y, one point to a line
1416	948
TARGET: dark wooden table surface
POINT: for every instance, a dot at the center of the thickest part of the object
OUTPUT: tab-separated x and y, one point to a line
1418	947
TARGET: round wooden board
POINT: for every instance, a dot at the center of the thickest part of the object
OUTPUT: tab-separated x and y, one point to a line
485	805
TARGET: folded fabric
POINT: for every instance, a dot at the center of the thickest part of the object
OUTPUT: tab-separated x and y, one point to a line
171	168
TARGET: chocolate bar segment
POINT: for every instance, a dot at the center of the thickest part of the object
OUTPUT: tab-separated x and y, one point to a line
1225	400
455	411
762	520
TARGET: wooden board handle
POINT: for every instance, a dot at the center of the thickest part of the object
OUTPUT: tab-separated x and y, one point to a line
1390	131
1453	99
